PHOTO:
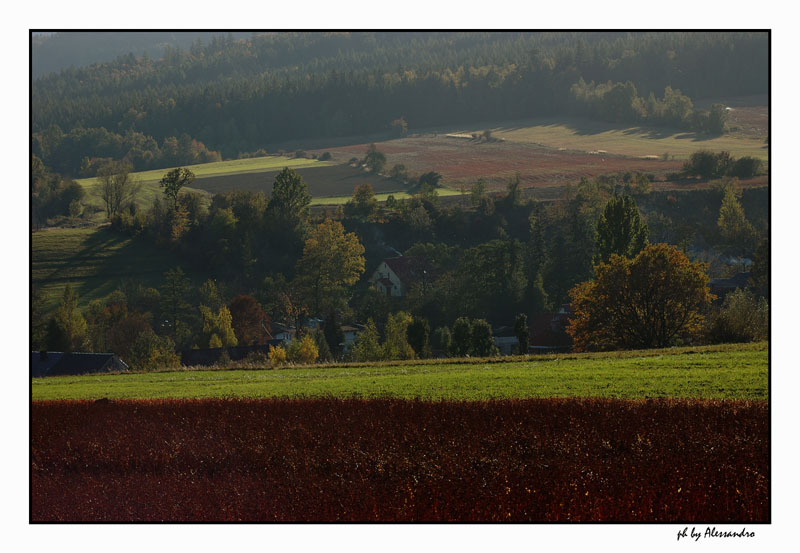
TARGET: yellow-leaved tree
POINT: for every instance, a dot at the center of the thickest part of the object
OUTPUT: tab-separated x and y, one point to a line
332	261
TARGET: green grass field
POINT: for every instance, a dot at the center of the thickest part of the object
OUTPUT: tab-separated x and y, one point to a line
586	135
149	179
721	372
93	261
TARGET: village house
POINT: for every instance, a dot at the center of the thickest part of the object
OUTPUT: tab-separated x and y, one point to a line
548	331
395	275
505	340
350	335
721	287
56	363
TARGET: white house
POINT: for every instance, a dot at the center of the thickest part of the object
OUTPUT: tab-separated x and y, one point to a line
505	340
395	275
350	335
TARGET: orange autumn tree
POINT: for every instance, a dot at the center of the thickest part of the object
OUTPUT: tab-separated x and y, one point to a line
646	302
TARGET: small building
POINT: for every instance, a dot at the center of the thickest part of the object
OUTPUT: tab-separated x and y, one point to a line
283	332
394	276
351	333
505	340
721	287
548	331
56	363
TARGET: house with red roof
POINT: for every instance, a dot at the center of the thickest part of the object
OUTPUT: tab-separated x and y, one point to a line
395	275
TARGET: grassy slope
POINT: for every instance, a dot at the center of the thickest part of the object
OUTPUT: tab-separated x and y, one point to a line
149	179
237	166
93	261
739	372
582	134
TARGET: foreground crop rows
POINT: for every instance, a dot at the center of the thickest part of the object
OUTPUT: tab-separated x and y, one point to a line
395	460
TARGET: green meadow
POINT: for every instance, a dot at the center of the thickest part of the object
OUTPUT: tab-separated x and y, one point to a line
94	261
718	372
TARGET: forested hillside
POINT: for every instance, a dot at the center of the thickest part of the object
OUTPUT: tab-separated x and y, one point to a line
54	51
228	96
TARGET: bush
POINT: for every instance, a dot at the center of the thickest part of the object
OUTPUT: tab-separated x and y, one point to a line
256	359
482	343
460	345
742	318
442	339
325	156
303	351
150	352
277	356
367	346
746	167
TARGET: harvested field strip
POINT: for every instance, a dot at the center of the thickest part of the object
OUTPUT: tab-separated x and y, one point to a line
733	372
544	460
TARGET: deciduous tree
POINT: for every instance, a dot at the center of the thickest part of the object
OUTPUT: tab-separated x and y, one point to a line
732	223
374	160
173	181
332	261
249	321
67	330
118	187
647	302
367	346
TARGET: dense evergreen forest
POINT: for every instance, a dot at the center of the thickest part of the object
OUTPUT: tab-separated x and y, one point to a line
226	96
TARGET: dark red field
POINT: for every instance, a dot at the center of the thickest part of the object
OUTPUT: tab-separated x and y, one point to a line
462	162
392	460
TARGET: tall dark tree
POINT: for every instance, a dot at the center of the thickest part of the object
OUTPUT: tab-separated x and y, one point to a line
290	198
620	229
334	335
481	341
521	331
174	303
418	332
461	337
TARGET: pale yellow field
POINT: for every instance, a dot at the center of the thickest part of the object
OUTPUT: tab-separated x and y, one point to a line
584	135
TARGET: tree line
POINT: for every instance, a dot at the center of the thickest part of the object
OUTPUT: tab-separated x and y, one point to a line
493	258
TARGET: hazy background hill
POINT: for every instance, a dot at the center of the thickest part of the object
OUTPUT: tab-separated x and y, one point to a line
54	51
